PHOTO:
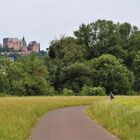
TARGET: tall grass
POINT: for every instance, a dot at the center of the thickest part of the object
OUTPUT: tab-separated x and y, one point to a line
120	116
19	115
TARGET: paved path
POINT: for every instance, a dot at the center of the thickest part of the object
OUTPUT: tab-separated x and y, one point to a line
69	124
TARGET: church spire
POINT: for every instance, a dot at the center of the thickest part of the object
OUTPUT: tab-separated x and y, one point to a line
23	38
24	42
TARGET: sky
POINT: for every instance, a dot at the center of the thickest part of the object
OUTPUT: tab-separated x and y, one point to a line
45	20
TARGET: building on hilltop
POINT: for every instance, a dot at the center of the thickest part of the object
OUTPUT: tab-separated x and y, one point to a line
20	45
34	46
14	43
24	48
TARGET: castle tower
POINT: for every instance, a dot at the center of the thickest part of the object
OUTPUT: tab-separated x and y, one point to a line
24	44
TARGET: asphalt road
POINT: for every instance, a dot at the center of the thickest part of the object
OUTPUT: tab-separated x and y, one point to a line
69	124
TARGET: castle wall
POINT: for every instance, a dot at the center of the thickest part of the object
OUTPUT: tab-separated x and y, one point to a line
20	45
12	43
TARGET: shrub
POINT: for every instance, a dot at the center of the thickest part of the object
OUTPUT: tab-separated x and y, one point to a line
93	91
67	92
3	94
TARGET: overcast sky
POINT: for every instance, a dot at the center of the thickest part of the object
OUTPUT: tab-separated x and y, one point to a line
43	20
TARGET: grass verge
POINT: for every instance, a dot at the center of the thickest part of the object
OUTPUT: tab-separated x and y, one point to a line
120	116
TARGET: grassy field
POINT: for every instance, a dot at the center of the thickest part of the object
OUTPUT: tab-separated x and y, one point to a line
120	116
19	115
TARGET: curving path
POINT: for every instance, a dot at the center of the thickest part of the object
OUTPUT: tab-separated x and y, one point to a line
69	124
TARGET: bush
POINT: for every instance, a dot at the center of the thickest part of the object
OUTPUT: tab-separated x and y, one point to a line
93	91
3	94
67	92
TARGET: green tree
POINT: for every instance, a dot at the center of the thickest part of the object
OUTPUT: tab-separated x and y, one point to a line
136	69
105	37
34	66
28	77
4	83
99	37
75	76
83	35
67	50
108	72
133	46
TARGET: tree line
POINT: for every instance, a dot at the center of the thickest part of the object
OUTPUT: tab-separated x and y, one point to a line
102	56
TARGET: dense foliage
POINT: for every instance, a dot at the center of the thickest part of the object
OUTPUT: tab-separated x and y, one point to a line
26	76
102	56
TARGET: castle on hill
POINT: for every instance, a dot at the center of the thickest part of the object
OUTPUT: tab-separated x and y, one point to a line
20	46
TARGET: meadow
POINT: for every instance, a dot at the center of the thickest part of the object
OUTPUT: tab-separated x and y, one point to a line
120	116
18	115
